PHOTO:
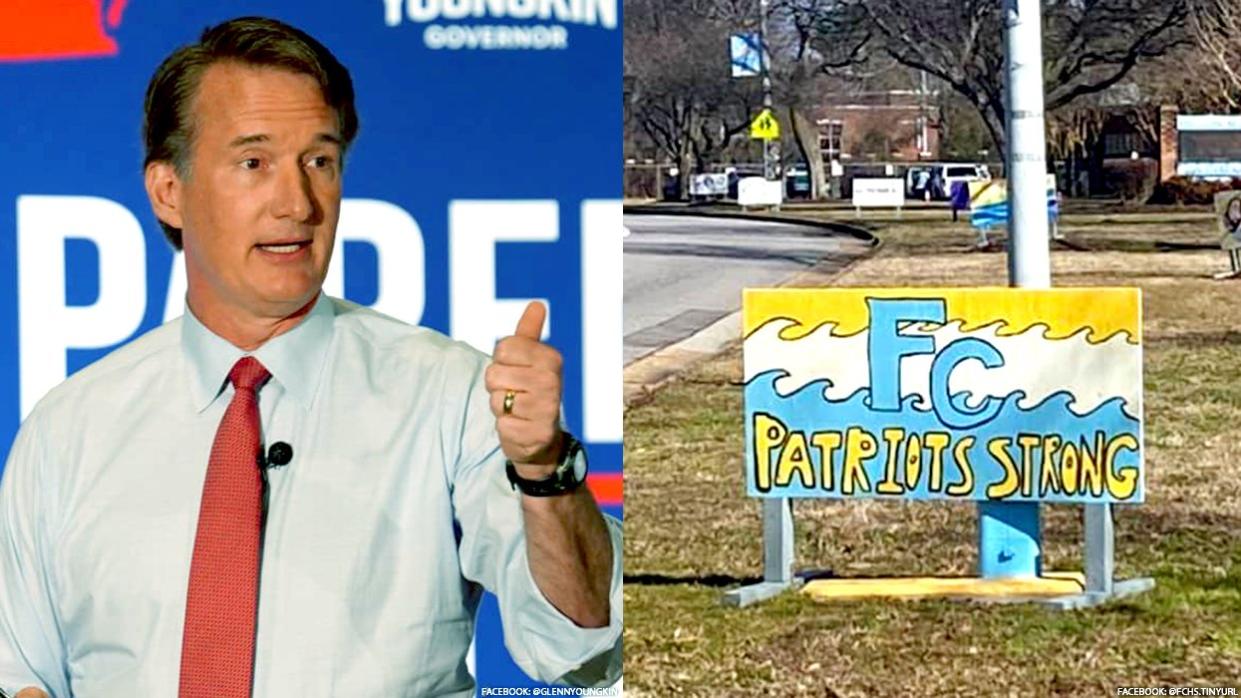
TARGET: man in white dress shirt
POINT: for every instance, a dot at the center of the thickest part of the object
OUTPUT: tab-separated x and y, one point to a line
403	473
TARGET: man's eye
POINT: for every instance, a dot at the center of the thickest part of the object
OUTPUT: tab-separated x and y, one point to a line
251	163
321	161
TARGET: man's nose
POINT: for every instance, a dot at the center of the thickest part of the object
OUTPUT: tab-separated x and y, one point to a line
293	198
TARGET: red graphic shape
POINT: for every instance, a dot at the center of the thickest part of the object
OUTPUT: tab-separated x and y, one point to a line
114	13
608	488
33	30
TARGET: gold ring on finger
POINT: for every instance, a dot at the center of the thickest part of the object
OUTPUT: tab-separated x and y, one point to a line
509	398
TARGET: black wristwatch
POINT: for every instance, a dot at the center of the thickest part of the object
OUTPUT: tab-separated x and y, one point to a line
568	476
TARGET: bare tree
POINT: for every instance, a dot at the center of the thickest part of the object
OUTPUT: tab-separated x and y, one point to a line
805	68
1072	135
1089	45
683	97
1214	24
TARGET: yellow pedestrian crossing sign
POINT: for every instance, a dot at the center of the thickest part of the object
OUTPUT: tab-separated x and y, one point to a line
765	126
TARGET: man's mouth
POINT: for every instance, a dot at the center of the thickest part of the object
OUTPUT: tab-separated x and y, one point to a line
284	247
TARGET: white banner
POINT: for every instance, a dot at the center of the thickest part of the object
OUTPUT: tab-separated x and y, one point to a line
878	193
756	191
708	185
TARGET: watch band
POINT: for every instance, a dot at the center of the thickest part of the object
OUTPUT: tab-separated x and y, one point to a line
563	480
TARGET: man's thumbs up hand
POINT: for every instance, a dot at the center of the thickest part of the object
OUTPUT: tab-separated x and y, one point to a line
525	385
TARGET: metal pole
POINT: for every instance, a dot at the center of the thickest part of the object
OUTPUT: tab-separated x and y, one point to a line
771	147
1028	259
924	137
1100	547
1009	534
778	542
778	556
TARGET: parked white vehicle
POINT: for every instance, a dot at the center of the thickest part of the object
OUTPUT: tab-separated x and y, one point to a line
935	180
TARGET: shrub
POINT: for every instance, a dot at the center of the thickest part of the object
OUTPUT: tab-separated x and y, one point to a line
1188	190
1131	180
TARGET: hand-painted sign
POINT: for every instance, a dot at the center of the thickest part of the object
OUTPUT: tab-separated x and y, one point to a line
976	394
1228	213
989	202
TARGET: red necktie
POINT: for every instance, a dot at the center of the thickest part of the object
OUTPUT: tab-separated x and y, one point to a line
221	606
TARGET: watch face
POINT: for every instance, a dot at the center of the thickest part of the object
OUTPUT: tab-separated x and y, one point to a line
575	461
579	464
569	475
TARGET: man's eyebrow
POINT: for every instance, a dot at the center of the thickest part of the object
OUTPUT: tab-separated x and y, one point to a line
263	138
248	140
329	138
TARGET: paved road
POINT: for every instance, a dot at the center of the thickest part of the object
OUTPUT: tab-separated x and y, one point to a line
682	273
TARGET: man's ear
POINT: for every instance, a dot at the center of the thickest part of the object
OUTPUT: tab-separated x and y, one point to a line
163	187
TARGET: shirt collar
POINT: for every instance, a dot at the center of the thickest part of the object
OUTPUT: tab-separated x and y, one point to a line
295	358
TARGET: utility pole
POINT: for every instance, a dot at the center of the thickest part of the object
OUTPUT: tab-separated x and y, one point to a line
1009	533
771	146
1029	262
924	139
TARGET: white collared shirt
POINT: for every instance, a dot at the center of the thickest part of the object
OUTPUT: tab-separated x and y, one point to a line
381	532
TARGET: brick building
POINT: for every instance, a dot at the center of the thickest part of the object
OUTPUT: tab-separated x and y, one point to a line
894	125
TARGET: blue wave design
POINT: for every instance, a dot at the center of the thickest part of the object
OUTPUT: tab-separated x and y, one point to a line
807	410
991	215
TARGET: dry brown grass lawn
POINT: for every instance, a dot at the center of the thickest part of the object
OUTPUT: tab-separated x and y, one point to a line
692	532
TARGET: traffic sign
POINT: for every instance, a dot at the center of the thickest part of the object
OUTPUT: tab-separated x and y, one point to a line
765	126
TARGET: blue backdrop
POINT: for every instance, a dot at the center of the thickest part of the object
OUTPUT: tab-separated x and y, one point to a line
484	174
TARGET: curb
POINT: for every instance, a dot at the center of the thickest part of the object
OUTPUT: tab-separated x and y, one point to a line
853	231
645	376
648	374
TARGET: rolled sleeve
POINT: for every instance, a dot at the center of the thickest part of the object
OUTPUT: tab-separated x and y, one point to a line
567	652
545	643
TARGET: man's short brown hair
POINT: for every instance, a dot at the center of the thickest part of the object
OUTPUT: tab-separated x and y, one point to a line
167	124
